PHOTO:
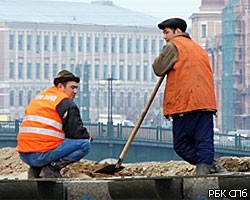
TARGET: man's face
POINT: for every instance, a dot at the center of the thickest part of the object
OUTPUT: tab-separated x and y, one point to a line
70	89
168	33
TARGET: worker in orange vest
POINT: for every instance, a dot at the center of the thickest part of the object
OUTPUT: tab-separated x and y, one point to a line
189	97
52	134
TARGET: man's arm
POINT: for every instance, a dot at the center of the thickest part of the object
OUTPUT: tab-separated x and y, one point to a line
72	123
165	61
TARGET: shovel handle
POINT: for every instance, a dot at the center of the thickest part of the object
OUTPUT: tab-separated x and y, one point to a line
139	122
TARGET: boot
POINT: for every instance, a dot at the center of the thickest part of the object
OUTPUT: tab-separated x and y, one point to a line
217	168
52	170
33	172
203	169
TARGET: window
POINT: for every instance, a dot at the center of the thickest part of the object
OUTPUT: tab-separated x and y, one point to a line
20	98
97	69
11	70
63	66
145	46
20	70
88	44
80	41
29	42
105	45
97	44
11	42
72	44
38	71
130	99
63	43
97	99
55	43
38	43
28	71
105	99
72	67
105	71
113	70
137	46
121	72
122	97
161	43
129	72
113	98
137	73
29	97
153	46
129	45
46	71
55	69
145	72
113	41
203	30
145	98
137	99
20	42
78	70
46	43
153	76
121	45
12	98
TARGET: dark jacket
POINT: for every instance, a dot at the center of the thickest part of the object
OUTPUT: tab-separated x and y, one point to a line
72	123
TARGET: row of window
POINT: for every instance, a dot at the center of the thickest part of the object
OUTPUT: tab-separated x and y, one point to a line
34	72
121	100
99	102
77	44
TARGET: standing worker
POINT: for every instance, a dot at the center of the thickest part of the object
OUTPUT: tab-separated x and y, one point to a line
52	134
189	97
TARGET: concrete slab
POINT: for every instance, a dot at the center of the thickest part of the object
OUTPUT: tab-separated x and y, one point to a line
232	186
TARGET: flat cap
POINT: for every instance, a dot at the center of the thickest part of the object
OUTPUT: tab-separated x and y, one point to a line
64	76
173	23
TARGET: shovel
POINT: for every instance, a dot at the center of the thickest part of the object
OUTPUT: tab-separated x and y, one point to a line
111	169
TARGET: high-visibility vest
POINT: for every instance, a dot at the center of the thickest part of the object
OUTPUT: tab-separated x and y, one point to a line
41	129
190	84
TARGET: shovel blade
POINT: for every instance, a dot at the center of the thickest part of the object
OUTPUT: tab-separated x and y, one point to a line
109	169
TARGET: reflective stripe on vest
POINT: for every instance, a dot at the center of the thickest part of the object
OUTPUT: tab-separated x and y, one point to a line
42	131
43	120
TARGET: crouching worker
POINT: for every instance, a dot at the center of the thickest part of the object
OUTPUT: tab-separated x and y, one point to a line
52	134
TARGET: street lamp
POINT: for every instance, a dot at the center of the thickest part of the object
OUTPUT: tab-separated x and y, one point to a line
110	104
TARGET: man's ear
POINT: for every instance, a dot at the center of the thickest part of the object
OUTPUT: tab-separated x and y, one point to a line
60	86
178	30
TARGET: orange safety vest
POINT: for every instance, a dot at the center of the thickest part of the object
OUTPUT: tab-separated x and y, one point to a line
41	129
190	84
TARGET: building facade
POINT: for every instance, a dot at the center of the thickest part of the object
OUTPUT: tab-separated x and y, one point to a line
34	50
235	74
222	28
207	30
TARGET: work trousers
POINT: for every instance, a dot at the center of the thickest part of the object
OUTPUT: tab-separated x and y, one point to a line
194	137
73	149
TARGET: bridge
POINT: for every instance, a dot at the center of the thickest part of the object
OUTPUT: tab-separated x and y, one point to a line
150	143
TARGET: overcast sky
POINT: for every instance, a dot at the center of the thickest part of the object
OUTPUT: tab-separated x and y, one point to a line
161	9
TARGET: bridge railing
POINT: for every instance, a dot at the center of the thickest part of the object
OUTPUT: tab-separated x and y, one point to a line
153	134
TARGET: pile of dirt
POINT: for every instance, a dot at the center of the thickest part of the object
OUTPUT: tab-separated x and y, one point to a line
12	166
10	162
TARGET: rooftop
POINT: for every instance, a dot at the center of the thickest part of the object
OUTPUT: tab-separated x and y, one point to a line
51	11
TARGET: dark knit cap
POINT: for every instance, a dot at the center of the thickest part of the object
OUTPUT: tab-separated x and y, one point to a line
64	76
173	23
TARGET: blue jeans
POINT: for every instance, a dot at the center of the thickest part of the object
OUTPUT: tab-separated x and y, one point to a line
194	137
73	149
